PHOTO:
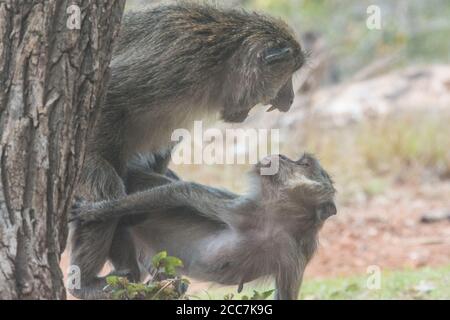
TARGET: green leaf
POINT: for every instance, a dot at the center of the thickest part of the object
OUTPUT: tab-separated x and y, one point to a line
170	265
228	296
352	287
119	294
261	295
113	281
157	258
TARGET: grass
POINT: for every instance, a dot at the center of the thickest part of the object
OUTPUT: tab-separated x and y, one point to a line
408	141
426	283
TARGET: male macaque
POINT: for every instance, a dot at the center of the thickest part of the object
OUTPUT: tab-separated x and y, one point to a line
174	64
226	238
178	63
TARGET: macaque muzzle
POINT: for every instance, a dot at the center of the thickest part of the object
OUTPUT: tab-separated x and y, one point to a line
284	99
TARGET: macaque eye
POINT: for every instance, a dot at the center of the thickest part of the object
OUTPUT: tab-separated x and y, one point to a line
273	55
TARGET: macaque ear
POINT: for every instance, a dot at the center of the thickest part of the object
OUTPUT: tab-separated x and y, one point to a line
326	210
273	55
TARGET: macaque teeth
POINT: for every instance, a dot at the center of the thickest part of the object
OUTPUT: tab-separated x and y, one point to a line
272	107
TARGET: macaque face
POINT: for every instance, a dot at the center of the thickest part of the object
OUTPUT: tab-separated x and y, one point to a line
265	78
279	63
304	182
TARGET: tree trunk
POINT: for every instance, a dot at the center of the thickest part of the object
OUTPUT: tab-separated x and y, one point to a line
53	74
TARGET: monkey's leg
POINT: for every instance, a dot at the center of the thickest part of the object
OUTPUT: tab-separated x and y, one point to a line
123	254
99	180
201	199
91	243
90	247
90	254
222	193
97	288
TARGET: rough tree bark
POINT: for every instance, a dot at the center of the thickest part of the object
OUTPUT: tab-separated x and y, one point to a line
52	80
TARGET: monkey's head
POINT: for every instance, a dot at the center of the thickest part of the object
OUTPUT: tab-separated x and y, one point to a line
301	184
260	70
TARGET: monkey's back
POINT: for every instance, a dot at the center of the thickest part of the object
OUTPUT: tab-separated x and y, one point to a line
181	47
170	66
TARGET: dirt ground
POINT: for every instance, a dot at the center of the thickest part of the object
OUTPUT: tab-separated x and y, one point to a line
386	231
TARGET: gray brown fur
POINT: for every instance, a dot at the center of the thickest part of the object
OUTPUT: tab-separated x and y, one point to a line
272	231
174	64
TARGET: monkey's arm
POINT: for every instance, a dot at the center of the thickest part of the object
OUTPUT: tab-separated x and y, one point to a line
288	283
205	201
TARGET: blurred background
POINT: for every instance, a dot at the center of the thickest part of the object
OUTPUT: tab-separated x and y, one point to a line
374	106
